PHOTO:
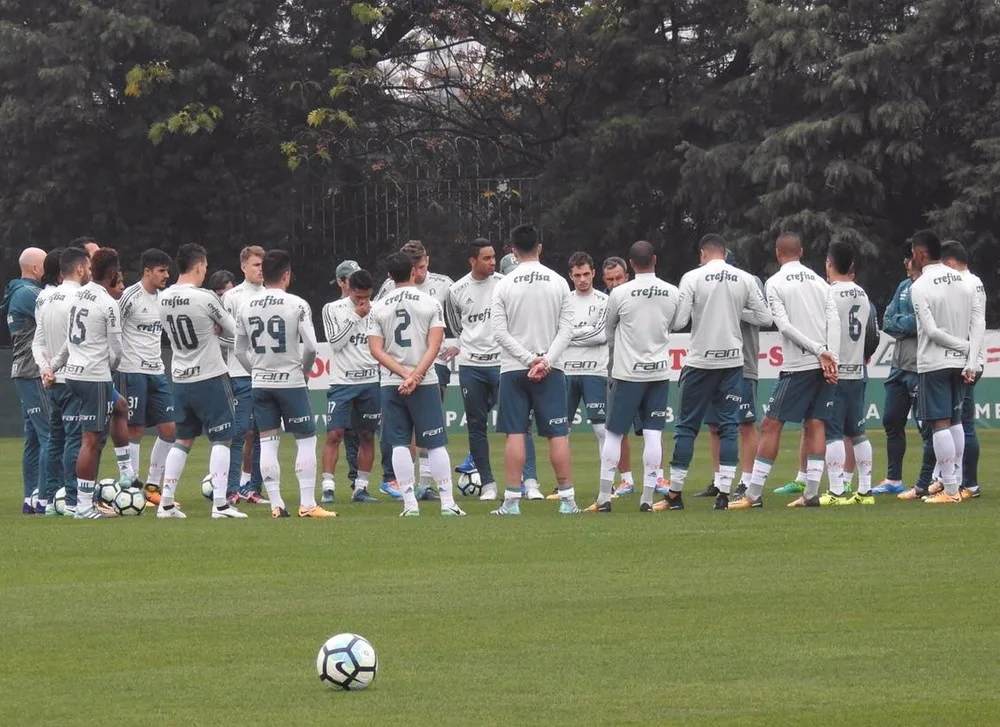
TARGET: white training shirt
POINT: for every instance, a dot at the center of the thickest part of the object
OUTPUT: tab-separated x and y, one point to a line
805	315
190	315
979	290
949	312
532	316
716	298
436	286
403	319
233	299
94	337
854	310
275	335
587	353
469	316
141	329
639	318
52	324
351	360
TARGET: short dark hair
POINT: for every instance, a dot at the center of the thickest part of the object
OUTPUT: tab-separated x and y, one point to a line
713	241
70	258
841	255
641	254
415	250
580	258
954	250
928	241
189	255
50	268
104	264
399	265
615	262
524	238
276	263
153	258
476	246
361	280
81	241
219	280
907	250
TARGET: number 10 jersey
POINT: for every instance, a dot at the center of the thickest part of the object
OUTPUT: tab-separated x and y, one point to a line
190	316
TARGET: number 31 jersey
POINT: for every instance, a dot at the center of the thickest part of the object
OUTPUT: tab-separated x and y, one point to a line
190	316
403	319
276	322
854	309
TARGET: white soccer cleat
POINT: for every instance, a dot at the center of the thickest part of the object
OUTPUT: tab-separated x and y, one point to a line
532	491
223	513
410	512
453	511
489	493
173	513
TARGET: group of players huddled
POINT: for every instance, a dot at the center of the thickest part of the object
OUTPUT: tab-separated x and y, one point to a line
88	366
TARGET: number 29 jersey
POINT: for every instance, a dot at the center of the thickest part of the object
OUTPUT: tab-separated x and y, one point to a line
403	318
190	316
276	322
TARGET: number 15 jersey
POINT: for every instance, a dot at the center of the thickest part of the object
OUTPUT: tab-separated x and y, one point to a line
190	315
403	319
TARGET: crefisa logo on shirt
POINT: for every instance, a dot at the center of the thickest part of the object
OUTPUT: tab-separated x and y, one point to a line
531	277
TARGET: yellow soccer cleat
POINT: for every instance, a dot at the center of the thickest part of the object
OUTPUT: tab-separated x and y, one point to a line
942	498
599	507
554	495
858	499
745	503
830	499
315	512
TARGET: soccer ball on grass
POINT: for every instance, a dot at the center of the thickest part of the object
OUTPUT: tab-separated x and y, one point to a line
59	503
207	489
107	490
471	484
129	502
347	661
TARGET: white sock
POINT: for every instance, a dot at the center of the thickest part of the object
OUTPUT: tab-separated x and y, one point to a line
124	458
157	458
814	473
245	478
758	478
944	450
610	454
835	454
218	465
652	449
863	459
133	455
305	470
936	475
958	435
426	478
625	477
677	479
402	464
440	466
173	468
84	494
328	483
361	483
650	479
511	495
724	478
600	431
745	479
270	469
801	477
715	478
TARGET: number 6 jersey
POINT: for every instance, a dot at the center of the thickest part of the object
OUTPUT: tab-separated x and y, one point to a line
855	310
403	319
190	315
275	328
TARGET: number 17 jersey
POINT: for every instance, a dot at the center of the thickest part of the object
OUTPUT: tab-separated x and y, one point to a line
403	319
190	316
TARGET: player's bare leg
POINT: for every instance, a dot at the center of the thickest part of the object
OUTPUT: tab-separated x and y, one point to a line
513	463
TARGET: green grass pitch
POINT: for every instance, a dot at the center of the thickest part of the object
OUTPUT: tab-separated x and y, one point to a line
881	615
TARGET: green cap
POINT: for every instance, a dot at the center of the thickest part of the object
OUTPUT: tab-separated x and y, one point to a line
345	269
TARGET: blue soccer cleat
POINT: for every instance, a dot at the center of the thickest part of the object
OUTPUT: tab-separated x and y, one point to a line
887	487
391	489
468	466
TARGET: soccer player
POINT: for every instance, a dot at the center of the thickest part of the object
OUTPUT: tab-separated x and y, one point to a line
715	298
220	282
638	320
436	286
615	273
950	331
276	343
586	359
91	353
405	332
203	397
19	307
748	406
353	404
51	332
141	376
532	318
806	316
953	255
848	416
244	435
469	316
350	438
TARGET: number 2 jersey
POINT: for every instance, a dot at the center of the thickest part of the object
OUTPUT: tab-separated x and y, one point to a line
278	329
854	310
190	315
403	318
